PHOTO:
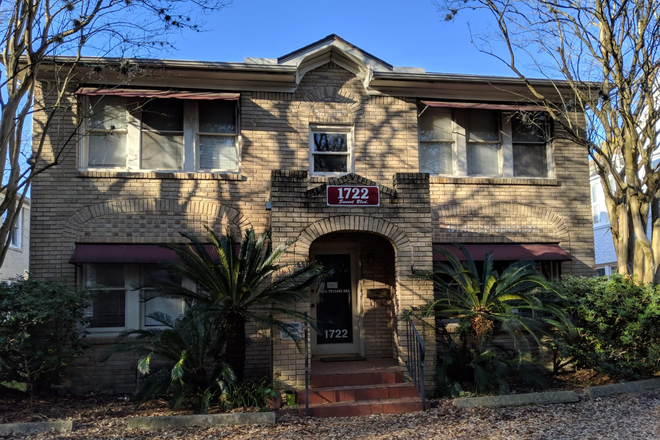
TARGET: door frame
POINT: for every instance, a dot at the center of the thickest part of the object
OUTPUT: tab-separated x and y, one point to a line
357	346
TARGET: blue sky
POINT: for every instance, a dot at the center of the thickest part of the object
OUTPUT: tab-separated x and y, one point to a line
408	33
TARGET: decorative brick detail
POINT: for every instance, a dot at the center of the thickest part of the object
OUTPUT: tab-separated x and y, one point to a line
350	179
166	207
534	223
330	105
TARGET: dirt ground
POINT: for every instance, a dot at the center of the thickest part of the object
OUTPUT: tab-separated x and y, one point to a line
622	417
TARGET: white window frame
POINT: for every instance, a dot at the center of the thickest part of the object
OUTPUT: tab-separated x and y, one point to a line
135	309
461	133
332	129
133	133
17	228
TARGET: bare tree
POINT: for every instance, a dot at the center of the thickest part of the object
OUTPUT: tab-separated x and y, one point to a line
602	56
34	33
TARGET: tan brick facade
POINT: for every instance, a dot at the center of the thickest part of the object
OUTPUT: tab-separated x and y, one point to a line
274	190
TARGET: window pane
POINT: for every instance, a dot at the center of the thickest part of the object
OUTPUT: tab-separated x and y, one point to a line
163	114
106	275
156	273
325	163
435	124
435	158
529	160
173	307
106	113
337	142
109	309
600	271
483	159
528	127
217	153
162	152
15	236
217	116
484	126
106	150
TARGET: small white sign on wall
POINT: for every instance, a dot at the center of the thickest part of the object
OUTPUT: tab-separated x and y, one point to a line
295	330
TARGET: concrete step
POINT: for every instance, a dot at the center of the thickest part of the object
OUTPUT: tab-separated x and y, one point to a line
364	407
360	392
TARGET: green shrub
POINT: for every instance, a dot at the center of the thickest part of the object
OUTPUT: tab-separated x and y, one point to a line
248	394
41	324
618	325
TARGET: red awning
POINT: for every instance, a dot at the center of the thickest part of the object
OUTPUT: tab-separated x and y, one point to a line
509	252
150	93
486	106
127	253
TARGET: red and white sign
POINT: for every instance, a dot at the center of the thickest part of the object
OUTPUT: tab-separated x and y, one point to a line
353	195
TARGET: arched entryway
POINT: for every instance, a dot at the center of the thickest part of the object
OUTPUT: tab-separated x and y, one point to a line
354	307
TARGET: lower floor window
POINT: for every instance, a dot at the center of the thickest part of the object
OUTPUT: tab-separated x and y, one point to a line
123	298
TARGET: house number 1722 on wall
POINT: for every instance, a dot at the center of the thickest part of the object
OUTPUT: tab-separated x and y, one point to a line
345	195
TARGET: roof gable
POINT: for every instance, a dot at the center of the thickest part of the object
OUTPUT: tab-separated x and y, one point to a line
335	49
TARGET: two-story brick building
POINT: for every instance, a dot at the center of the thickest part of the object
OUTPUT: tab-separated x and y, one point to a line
365	165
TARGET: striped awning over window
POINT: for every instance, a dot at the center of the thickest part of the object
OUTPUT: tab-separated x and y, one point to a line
128	253
151	93
507	252
486	106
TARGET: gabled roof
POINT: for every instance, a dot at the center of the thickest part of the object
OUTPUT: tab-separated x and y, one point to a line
341	45
284	74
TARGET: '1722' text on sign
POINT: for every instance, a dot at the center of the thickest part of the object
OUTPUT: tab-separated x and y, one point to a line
353	195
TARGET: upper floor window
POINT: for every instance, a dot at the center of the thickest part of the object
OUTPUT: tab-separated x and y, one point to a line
16	237
330	150
436	142
16	234
598	207
483	142
530	135
154	134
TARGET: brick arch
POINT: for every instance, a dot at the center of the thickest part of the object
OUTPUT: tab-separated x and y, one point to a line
515	209
355	223
136	206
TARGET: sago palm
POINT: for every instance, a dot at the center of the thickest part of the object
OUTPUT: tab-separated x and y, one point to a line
520	300
240	283
189	357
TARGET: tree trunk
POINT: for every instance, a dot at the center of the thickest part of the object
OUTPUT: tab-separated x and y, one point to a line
234	325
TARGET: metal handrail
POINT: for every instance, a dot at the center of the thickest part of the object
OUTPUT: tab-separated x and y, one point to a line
415	361
306	366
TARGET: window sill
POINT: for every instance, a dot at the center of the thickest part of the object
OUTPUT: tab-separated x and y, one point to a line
106	174
465	180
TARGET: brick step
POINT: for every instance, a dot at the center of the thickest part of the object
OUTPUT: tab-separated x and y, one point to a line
359	392
356	379
364	407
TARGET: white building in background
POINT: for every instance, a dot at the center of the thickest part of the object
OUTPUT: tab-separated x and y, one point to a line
17	261
605	255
